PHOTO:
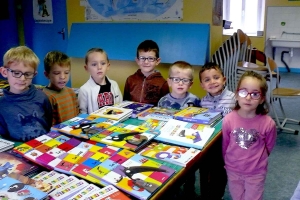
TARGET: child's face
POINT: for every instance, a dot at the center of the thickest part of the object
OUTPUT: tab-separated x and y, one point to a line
21	84
59	76
97	66
249	104
147	67
213	81
180	88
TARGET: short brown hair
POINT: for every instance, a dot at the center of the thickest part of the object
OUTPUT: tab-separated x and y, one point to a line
92	50
182	65
55	57
21	54
209	66
148	45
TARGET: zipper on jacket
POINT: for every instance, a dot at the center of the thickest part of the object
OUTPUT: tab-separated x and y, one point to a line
142	89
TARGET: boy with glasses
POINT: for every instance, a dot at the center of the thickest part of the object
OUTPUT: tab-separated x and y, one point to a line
146	85
180	81
25	112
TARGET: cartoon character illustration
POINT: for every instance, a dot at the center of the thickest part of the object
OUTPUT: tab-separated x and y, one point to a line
4	170
113	112
43	8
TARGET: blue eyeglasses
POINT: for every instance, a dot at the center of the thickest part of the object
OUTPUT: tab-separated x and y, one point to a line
18	74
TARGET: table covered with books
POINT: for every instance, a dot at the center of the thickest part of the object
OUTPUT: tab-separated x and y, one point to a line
145	158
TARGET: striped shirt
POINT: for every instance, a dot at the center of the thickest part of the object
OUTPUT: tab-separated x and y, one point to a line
64	104
225	102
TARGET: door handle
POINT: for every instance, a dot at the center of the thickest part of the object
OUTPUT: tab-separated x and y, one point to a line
63	30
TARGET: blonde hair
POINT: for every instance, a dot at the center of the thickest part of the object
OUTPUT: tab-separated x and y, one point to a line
182	65
21	54
92	50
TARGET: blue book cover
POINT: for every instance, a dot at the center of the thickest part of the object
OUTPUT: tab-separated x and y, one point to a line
13	189
198	115
136	107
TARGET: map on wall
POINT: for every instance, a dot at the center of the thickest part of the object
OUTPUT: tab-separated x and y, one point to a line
115	10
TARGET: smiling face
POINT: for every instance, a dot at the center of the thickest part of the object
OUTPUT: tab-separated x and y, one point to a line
147	67
59	76
248	104
179	89
97	65
213	81
18	85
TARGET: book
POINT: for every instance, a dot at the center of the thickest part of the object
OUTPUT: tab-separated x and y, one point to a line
11	188
170	153
113	112
85	192
136	107
84	125
137	175
158	113
185	134
198	115
126	136
5	145
11	163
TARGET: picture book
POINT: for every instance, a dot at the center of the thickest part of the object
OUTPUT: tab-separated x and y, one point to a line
113	112
12	163
85	192
136	175
136	107
185	134
170	153
11	188
198	115
5	145
106	193
125	136
84	125
158	113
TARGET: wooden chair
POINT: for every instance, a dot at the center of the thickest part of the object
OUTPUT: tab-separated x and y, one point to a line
276	93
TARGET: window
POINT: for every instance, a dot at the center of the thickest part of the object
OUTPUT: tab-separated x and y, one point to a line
247	15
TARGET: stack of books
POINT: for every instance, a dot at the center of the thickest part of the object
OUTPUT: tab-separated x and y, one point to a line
5	145
137	107
163	114
113	112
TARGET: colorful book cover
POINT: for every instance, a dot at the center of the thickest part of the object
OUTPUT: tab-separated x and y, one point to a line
13	189
5	145
170	153
125	136
84	125
112	112
163	114
198	115
84	192
136	107
11	163
185	134
137	176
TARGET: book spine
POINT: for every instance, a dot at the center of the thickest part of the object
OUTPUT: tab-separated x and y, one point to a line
191	120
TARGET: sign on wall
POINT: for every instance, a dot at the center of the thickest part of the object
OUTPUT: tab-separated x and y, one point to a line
42	11
103	10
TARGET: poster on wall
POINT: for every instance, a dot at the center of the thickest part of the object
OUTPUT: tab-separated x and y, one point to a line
42	11
117	10
217	14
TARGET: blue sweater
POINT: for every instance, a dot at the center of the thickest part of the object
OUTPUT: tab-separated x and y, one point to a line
25	116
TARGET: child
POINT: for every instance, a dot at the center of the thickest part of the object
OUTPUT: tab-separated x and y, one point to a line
63	99
180	80
249	136
99	90
213	175
218	97
146	85
25	112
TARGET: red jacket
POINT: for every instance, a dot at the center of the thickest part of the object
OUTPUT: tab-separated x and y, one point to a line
143	89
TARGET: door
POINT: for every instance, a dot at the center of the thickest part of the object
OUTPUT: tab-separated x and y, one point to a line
42	38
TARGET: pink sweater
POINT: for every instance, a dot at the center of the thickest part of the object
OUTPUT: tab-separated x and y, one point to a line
247	143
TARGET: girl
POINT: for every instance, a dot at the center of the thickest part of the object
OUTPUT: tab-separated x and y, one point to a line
249	136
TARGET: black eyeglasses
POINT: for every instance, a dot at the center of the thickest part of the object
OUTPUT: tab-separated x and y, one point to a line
18	74
184	80
244	93
150	59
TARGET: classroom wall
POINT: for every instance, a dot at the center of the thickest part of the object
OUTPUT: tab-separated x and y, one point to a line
194	11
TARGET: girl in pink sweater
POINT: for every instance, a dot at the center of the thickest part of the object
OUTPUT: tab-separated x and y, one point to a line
249	136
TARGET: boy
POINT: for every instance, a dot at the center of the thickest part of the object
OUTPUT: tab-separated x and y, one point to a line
146	85
64	102
212	172
25	112
99	90
180	80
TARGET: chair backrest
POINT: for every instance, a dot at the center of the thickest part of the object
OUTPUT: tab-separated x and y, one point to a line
272	67
257	55
242	44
